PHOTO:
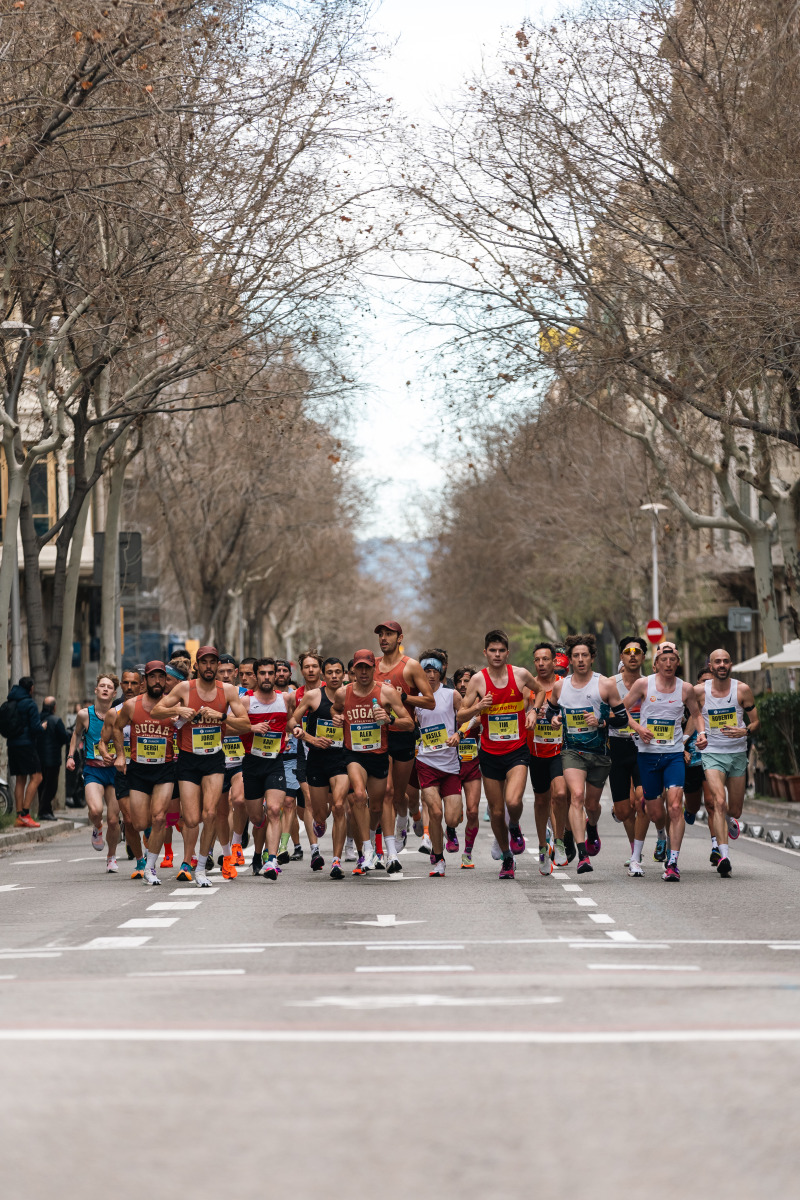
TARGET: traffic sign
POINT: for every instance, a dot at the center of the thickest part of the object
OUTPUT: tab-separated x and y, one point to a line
655	632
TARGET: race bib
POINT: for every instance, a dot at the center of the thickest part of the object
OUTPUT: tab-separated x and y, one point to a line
206	739
467	750
327	729
366	735
234	750
722	718
267	745
97	754
434	737
545	734
663	732
151	750
575	719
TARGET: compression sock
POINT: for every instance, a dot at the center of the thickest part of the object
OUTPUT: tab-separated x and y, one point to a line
469	837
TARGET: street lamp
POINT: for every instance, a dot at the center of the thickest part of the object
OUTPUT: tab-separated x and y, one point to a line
654	509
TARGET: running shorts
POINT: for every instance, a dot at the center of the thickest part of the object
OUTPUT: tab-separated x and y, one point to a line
731	765
122	787
93	773
595	766
469	770
294	793
376	765
290	771
543	771
661	771
230	775
300	769
24	760
413	779
402	746
446	783
624	768
695	776
497	766
322	767
193	768
261	775
143	778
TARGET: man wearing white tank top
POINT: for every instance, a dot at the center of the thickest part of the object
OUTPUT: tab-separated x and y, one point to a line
724	702
660	699
438	764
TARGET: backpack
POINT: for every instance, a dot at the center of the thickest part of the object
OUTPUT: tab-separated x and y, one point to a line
10	723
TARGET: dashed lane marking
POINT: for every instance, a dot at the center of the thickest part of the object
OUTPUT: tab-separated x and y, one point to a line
34	862
165	905
183	891
418	1000
601	918
148	923
585	901
23	954
417	967
412	1037
629	966
174	974
113	943
572	887
393	946
221	950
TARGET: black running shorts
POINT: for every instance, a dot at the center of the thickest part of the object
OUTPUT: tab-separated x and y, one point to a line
497	766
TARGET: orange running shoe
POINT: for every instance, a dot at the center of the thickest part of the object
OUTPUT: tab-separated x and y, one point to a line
167	859
194	862
228	868
238	856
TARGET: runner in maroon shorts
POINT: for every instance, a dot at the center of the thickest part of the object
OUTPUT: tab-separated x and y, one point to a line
469	770
437	761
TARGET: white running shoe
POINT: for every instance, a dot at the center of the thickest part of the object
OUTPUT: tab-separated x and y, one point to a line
401	833
545	862
201	879
635	869
497	853
437	870
97	839
350	852
560	859
150	877
425	846
370	857
111	865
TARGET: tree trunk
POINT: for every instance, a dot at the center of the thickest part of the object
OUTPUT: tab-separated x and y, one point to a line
61	688
109	600
9	561
760	542
34	608
787	534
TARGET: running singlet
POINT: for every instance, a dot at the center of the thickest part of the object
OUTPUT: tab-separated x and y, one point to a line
544	740
722	711
202	737
662	713
503	725
576	703
436	725
267	745
151	741
362	733
320	724
91	737
395	676
627	732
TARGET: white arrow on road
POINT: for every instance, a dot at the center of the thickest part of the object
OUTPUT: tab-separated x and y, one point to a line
386	921
16	887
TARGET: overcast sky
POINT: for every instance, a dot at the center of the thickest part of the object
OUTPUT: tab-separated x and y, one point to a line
438	43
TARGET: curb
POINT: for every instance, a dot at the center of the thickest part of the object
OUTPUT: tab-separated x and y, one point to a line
765	808
15	839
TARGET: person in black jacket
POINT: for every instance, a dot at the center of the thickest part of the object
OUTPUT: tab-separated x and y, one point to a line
54	739
23	750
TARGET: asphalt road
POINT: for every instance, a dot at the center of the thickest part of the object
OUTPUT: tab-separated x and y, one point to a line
462	1037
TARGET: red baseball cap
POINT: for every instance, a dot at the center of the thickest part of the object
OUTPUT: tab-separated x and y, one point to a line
364	656
155	664
204	650
390	625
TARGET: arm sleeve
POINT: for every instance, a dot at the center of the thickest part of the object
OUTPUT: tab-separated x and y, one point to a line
618	718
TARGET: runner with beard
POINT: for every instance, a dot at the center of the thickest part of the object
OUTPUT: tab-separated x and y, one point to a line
263	770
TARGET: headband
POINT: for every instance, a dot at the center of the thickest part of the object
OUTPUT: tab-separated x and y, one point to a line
435	663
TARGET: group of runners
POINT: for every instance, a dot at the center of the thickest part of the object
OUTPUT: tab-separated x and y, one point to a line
387	744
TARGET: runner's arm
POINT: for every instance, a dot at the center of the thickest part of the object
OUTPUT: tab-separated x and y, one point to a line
748	703
618	717
454	738
240	721
390	698
634	693
173	705
690	700
426	700
81	722
472	704
295	717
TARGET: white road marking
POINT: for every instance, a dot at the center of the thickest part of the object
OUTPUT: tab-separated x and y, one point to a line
85	858
172	974
393	946
164	905
420	967
8	977
601	918
113	943
572	887
416	1000
185	890
17	887
585	901
148	923
410	1037
7	956
784	946
595	945
638	967
620	935
34	862
221	950
386	921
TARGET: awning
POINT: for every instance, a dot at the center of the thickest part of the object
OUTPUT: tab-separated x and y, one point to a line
789	656
752	664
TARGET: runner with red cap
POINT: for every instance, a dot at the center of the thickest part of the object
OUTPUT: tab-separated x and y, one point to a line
407	676
363	708
202	705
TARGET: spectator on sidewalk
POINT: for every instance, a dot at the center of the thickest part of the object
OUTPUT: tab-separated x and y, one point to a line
54	739
24	738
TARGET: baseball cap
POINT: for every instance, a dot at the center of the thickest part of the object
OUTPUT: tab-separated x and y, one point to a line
662	648
364	656
391	625
228	658
155	664
204	650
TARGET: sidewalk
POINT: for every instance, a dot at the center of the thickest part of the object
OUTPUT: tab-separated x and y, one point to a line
15	839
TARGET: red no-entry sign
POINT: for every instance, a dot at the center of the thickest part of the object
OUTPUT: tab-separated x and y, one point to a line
654	631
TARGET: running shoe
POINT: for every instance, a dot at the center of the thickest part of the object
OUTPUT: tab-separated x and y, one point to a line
270	869
714	856
257	863
319	828
497	854
516	842
584	865
167	861
401	832
660	852
138	870
185	874
97	839
297	853
487	816
560	854
507	869
27	822
209	862
419	827
689	817
425	846
284	857
545	862
593	842
672	874
193	861
111	865
358	869
317	861
229	867
336	869
451	845
635	869
466	862
350	852
201	879
150	877
724	867
369	859
569	845
395	867
437	869
733	828
238	855
380	862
